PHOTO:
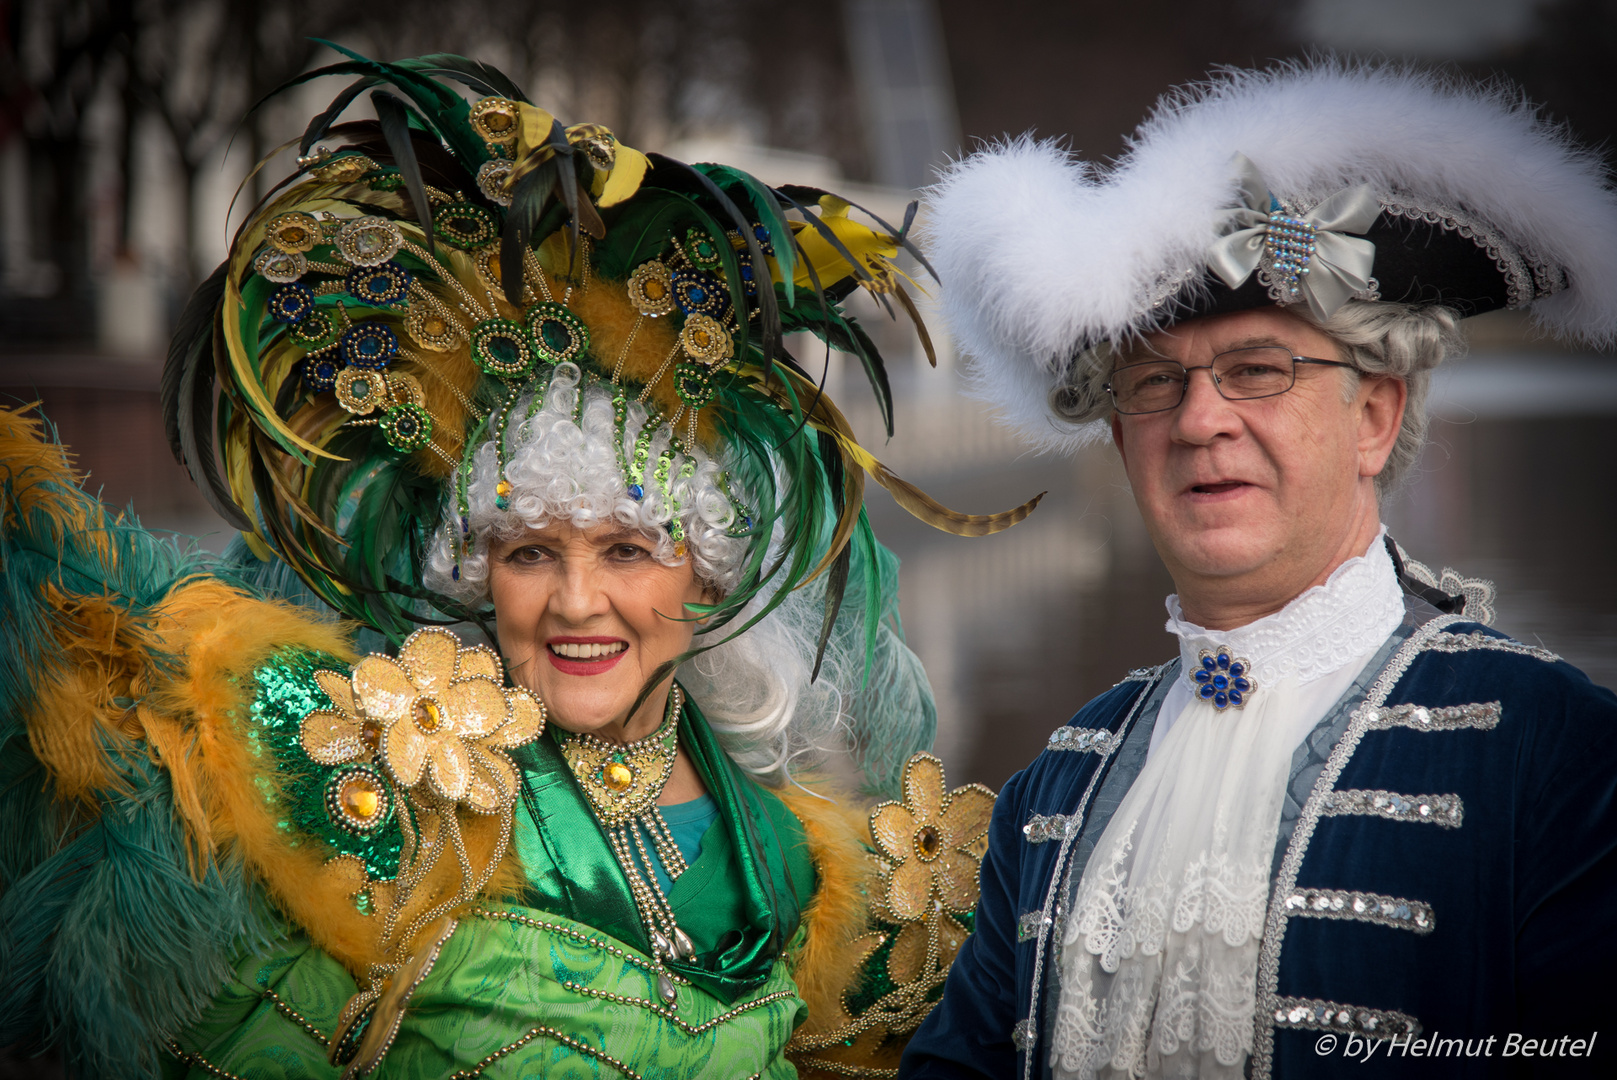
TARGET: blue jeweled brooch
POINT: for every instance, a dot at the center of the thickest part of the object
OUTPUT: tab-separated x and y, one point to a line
1224	681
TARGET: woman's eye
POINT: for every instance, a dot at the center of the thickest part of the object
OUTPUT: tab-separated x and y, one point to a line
527	555
628	552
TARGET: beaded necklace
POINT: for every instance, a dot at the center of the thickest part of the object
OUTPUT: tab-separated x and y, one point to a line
623	782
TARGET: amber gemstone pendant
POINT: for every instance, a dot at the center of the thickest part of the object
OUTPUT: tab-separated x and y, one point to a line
623	783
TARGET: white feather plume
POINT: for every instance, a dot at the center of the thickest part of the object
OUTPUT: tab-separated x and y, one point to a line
1041	253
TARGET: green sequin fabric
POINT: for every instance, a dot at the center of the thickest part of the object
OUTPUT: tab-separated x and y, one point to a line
286	693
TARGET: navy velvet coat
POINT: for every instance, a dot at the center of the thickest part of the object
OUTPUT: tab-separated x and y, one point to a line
1452	878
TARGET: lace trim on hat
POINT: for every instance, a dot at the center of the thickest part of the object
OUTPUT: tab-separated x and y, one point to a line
1521	279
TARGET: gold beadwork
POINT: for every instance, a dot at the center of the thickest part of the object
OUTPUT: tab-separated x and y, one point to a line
651	289
462	720
949	826
496	120
669	1014
566	1040
428	716
361	391
294	233
197	1061
706	340
957	820
369	241
293	1015
281	267
345	170
492	178
622	784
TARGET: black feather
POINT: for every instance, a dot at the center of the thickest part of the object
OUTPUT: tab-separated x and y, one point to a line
474	74
567	181
836	586
394	116
187	395
900	236
190	342
321	124
528	202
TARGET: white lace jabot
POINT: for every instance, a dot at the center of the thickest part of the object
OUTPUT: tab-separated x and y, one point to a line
1159	948
1321	631
1332	629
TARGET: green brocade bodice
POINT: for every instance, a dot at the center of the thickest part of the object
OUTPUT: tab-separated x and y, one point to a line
516	992
560	984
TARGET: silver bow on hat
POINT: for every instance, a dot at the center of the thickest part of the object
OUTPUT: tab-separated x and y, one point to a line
1303	259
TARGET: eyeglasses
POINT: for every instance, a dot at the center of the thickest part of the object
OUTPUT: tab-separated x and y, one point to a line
1239	375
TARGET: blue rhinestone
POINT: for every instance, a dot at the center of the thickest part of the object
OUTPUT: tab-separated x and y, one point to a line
1237	669
1242	685
1224	660
636	492
465	524
1221	700
746	522
1207	691
1207	663
1202	676
1221	682
1235	697
454	573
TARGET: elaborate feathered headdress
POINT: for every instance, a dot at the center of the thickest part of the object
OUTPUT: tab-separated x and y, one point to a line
386	310
1308	184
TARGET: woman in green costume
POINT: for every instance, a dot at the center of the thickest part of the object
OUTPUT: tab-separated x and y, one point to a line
473	367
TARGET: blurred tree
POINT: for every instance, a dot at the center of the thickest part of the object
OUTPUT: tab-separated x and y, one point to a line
656	72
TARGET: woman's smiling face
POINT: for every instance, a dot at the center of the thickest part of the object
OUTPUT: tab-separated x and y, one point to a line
585	616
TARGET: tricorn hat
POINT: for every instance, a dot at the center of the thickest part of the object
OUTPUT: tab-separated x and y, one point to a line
1306	185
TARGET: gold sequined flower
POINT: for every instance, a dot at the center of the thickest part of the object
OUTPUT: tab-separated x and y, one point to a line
293	233
498	120
438	716
705	339
932	840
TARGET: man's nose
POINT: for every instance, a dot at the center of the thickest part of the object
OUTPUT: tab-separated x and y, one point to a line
1204	413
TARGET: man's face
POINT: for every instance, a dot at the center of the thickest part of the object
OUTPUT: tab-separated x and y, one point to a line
1251	502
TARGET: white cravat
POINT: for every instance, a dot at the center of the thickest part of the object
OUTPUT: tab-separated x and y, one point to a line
1323	639
1160	948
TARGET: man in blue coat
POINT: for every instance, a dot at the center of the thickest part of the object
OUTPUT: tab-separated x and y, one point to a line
1350	830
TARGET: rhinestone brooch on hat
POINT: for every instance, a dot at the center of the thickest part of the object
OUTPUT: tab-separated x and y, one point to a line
1224	681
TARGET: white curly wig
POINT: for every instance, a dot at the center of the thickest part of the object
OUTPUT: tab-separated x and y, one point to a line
562	448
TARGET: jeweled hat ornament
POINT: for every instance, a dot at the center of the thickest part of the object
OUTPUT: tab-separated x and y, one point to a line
432	291
1307	186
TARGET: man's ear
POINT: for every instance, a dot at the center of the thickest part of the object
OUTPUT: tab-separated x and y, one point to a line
1382	400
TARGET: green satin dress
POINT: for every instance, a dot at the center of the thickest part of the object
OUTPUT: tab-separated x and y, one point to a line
560	985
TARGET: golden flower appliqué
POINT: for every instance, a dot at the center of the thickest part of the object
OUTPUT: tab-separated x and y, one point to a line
934	841
438	719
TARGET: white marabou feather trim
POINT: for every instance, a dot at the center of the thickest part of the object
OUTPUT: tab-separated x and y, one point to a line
1041	253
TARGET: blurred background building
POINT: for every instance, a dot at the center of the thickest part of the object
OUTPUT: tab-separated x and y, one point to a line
123	144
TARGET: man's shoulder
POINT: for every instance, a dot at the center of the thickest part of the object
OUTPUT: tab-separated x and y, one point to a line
1459	674
1093	733
1470	658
